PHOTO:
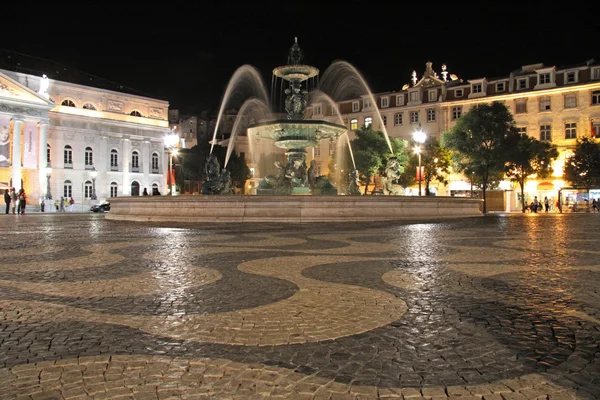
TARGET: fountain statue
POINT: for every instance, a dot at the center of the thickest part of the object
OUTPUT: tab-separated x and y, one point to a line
216	181
393	170
354	185
295	133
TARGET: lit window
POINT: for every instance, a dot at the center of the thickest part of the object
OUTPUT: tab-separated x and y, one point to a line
384	102
456	112
521	106
544	78
545	132
368	122
571	130
545	103
398	119
570	100
431	115
252	172
89	106
89	156
67	103
353	124
414	117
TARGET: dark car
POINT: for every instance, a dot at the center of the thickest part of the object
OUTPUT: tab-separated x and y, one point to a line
104	207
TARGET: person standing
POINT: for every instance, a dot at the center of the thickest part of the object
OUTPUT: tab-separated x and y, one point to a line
7	200
536	204
546	203
14	199
62	204
22	201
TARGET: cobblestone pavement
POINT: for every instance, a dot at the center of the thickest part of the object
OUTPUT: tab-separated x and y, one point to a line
494	308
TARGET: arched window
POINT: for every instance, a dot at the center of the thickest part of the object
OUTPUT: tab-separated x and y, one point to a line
135	161
135	113
155	163
155	191
89	157
113	189
48	152
114	160
89	106
353	124
88	190
68	156
67	103
68	189
135	188
368	122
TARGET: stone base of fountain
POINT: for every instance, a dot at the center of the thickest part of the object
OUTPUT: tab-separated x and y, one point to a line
289	209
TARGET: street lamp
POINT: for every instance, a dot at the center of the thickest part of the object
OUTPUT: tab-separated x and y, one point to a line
171	142
94	174
48	173
419	136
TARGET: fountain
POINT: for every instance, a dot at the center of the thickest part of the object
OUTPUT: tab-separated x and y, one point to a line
279	195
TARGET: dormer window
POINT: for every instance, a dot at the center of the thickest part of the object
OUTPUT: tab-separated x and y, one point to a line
355	106
522	84
414	96
432	95
317	109
596	73
89	106
500	87
367	103
544	78
400	100
476	88
570	77
458	93
385	102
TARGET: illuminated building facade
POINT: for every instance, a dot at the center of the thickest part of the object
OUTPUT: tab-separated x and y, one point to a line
70	140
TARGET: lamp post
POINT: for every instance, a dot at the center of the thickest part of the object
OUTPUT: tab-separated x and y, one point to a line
48	173
171	142
94	174
419	136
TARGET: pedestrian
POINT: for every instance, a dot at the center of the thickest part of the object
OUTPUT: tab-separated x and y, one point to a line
546	203
594	206
62	204
145	192
14	199
7	200
22	202
536	204
56	205
71	204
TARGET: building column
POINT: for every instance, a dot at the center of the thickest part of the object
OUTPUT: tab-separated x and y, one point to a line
16	154
126	160
43	158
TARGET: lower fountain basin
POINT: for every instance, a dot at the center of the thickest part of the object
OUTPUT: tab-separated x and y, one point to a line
289	209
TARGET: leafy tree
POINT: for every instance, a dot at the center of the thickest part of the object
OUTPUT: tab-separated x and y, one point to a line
436	160
583	168
371	152
481	141
530	156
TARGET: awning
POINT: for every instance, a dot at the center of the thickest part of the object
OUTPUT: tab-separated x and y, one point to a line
545	186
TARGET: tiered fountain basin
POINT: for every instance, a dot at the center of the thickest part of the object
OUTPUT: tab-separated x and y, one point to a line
289	209
296	134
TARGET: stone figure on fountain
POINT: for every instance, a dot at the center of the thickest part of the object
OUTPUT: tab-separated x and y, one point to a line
226	185
354	185
216	181
296	172
319	184
279	183
295	102
393	170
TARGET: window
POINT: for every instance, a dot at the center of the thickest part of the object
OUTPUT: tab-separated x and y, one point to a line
456	112
155	163
87	190
384	119
544	78
317	151
522	84
368	121
334	110
155	186
67	103
432	95
353	124
114	160
385	102
68	189
252	172
89	106
318	169
113	189
520	106
398	119
545	132
355	106
135	113
48	152
476	88
414	96
89	157
570	77
596	73
135	188
595	133
317	110
500	87
68	157
458	93
545	103
522	129
400	100
571	130
570	100
135	161
414	117
367	103
431	115
596	97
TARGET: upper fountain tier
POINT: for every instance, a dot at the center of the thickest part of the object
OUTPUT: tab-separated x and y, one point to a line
295	71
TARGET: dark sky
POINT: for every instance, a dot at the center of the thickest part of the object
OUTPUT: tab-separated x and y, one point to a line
186	52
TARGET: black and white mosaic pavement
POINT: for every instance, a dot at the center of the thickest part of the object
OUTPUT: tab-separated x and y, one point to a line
498	307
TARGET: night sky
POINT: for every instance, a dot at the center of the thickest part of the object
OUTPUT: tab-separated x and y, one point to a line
187	55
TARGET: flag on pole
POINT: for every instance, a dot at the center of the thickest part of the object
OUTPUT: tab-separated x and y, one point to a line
420	172
171	177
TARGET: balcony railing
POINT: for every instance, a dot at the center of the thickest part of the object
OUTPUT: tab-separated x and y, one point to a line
114	167
154	171
68	166
89	166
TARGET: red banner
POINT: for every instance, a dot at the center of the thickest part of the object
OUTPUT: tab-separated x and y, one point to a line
419	173
171	177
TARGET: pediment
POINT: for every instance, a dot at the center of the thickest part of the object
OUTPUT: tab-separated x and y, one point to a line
13	92
429	81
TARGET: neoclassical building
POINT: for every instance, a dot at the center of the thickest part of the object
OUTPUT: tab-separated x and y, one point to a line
69	140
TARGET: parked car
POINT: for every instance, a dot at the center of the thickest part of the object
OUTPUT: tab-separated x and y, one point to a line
103	207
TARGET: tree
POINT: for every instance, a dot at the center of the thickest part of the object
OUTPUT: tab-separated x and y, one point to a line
583	167
481	141
530	157
371	152
436	162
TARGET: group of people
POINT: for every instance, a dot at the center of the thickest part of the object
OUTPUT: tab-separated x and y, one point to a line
537	205
64	204
15	201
